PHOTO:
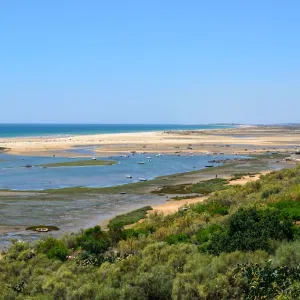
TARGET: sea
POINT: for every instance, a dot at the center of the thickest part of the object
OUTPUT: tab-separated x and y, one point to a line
24	130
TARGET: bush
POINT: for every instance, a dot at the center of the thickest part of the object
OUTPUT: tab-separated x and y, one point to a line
270	191
93	240
54	248
265	282
129	218
252	229
178	238
288	208
213	208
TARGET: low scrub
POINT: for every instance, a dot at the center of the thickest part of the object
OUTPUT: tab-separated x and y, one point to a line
129	218
202	187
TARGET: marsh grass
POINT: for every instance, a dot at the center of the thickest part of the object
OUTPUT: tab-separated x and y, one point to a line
203	187
129	218
80	163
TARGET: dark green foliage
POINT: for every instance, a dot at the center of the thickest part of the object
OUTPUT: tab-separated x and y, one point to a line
265	282
130	233
204	236
288	208
129	218
19	287
54	248
252	229
94	240
178	238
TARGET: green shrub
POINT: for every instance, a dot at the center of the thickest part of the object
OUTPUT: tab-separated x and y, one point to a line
270	191
59	252
54	248
265	282
288	208
252	229
129	218
93	240
202	187
213	208
178	238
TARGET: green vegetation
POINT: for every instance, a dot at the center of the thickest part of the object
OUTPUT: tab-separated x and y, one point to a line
202	187
237	176
50	228
241	243
288	208
129	218
80	163
178	198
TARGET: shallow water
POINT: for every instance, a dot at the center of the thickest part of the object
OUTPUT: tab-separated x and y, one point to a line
69	214
13	174
72	212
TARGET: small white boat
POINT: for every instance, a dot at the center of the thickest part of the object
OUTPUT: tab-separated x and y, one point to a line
142	179
159	154
149	157
128	176
94	158
42	229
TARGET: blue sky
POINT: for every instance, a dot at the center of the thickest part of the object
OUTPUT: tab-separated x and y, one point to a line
150	61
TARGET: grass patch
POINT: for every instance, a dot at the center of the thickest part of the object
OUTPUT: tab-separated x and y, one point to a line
80	163
212	208
202	187
178	198
50	228
129	218
241	175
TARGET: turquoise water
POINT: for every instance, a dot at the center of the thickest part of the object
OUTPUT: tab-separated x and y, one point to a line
19	130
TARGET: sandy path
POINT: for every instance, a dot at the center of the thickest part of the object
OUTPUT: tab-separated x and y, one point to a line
247	178
172	206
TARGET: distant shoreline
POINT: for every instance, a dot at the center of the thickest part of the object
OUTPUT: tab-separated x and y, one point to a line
68	130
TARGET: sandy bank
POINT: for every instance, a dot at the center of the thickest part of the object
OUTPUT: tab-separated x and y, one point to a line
242	140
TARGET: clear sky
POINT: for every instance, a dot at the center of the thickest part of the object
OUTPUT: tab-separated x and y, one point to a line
158	61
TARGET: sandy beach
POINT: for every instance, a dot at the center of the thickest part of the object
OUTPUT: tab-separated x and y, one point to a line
241	140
